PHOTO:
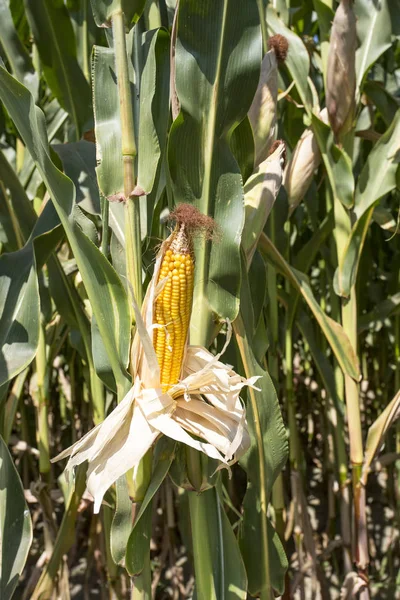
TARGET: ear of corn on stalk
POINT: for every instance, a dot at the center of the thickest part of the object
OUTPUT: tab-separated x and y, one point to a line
299	171
341	70
263	110
260	192
179	390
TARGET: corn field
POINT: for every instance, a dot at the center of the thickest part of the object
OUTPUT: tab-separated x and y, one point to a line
199	299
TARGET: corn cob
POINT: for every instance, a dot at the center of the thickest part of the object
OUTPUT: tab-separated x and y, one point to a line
173	307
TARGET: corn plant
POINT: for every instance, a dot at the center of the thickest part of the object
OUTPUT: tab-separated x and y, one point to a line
199	309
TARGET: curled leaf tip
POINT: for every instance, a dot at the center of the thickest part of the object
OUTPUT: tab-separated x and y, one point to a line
280	45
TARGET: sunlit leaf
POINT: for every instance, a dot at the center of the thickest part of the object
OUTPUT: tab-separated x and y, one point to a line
55	40
377	432
15	525
215	91
104	288
333	331
373	31
384	159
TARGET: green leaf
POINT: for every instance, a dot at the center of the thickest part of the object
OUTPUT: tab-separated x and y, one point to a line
384	159
104	288
79	163
305	326
217	71
334	333
22	207
297	61
19	296
122	522
104	9
242	146
385	102
220	572
388	307
107	123
164	455
19	312
337	163
55	41
154	107
374	30
377	432
15	525
262	552
17	55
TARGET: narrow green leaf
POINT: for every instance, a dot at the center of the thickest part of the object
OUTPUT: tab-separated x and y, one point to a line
122	522
154	106
385	102
305	326
217	71
384	159
242	146
380	312
220	572
374	30
55	40
103	286
262	552
325	18
334	333
79	163
17	55
107	123
337	163
15	525
19	312
163	457
19	296
377	432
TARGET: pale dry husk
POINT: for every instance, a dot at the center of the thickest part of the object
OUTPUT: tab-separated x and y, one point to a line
263	110
299	171
205	403
260	192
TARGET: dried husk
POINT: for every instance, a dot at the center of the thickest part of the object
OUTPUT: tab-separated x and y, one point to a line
205	403
263	110
260	193
341	69
299	171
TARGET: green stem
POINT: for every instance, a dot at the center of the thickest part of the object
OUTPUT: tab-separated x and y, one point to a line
42	398
133	249
238	327
349	323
